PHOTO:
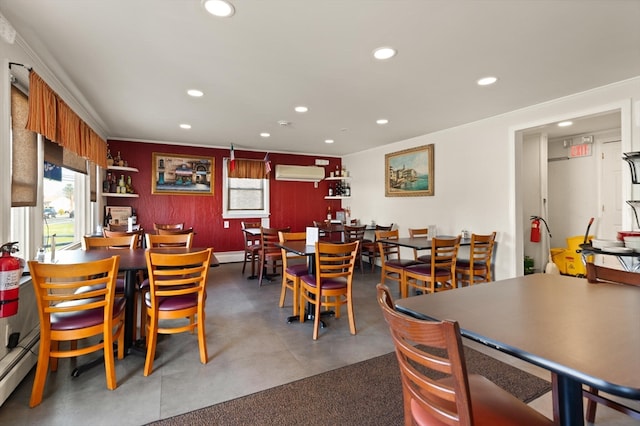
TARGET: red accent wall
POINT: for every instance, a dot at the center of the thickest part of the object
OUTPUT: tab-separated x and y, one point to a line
294	204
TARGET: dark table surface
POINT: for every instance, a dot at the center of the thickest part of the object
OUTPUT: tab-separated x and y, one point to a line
586	333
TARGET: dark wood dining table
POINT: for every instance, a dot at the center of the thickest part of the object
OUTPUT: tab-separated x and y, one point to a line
587	334
131	261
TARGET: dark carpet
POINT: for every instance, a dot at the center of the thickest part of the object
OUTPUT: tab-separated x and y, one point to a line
366	393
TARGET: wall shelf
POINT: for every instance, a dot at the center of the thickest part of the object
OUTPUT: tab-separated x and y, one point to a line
115	194
338	178
336	197
122	168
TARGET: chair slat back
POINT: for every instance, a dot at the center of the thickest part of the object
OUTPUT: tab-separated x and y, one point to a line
290	236
444	252
354	233
169	240
415	233
335	260
174	226
269	237
388	251
174	231
249	239
435	346
109	234
56	286
172	274
129	241
480	253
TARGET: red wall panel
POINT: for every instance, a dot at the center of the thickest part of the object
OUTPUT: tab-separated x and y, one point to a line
294	204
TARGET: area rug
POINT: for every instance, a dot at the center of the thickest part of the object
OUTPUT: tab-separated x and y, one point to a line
365	393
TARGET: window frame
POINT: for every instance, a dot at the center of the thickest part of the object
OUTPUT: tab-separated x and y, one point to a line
265	212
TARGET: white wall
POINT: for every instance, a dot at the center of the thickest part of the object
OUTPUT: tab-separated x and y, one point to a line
476	179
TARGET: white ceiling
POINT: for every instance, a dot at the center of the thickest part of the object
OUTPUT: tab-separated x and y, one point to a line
131	62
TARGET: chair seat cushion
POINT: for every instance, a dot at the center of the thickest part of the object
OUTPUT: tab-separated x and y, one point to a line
466	264
298	270
174	303
327	283
82	319
491	405
425	258
401	263
424	269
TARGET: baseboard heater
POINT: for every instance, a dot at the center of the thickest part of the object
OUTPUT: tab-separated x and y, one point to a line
16	364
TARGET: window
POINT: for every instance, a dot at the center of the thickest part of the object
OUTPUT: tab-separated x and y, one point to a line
244	198
59	202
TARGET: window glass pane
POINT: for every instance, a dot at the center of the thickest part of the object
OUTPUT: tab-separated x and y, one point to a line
59	209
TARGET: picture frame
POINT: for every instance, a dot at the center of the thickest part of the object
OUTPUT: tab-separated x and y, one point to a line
119	214
177	174
409	173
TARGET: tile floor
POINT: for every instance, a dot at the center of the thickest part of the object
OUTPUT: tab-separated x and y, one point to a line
251	348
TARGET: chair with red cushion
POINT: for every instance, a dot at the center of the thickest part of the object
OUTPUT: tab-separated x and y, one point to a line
392	265
293	267
476	269
270	253
177	292
251	246
439	274
457	399
68	315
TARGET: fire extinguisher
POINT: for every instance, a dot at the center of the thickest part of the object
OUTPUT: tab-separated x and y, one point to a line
535	229
10	273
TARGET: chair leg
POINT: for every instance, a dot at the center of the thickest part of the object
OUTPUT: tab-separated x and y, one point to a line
590	415
283	291
109	362
202	337
152	338
352	316
296	296
41	372
316	319
244	264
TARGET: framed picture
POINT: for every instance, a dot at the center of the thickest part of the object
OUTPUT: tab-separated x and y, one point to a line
409	173
182	174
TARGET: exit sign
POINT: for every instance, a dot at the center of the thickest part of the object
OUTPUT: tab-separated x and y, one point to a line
582	150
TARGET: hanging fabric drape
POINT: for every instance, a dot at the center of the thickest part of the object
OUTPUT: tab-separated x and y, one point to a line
247	169
50	116
24	152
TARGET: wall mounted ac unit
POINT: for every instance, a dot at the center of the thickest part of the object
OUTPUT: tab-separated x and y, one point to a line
299	173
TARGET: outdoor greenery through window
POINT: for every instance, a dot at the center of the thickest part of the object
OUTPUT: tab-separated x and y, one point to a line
59	209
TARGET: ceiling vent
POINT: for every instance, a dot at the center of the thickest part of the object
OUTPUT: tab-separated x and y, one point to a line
299	173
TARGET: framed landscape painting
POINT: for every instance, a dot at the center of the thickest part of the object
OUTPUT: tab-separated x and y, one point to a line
182	174
409	173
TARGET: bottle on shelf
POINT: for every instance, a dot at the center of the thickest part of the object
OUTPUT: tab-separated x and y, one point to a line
337	173
331	190
121	185
117	159
329	213
106	183
109	158
107	218
113	186
129	186
347	190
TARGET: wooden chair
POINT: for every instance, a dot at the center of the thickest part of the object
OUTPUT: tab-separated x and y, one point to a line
370	248
270	253
110	234
476	269
416	233
355	233
122	227
67	315
435	347
438	275
177	290
175	231
169	240
170	226
392	265
292	271
251	246
330	286
601	274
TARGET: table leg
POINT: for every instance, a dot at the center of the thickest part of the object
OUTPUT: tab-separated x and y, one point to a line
568	400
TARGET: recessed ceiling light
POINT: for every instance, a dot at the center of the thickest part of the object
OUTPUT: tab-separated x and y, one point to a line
301	108
265	134
195	93
383	53
486	81
382	121
220	8
328	141
185	126
565	123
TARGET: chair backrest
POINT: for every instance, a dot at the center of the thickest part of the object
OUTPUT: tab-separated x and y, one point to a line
290	236
268	239
122	227
444	252
415	233
336	261
171	240
602	274
354	233
251	240
181	274
110	234
481	251
174	231
174	226
434	346
384	228
122	242
56	285
388	251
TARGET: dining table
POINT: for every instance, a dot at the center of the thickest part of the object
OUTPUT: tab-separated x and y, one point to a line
131	261
585	334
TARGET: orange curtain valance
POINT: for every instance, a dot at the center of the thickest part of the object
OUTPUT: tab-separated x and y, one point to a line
50	116
247	169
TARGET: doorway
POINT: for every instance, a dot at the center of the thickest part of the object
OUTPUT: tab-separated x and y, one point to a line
570	174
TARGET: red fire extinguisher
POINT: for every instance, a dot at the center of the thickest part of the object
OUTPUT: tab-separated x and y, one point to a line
10	273
535	229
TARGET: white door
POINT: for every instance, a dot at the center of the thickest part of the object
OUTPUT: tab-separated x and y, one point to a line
610	220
